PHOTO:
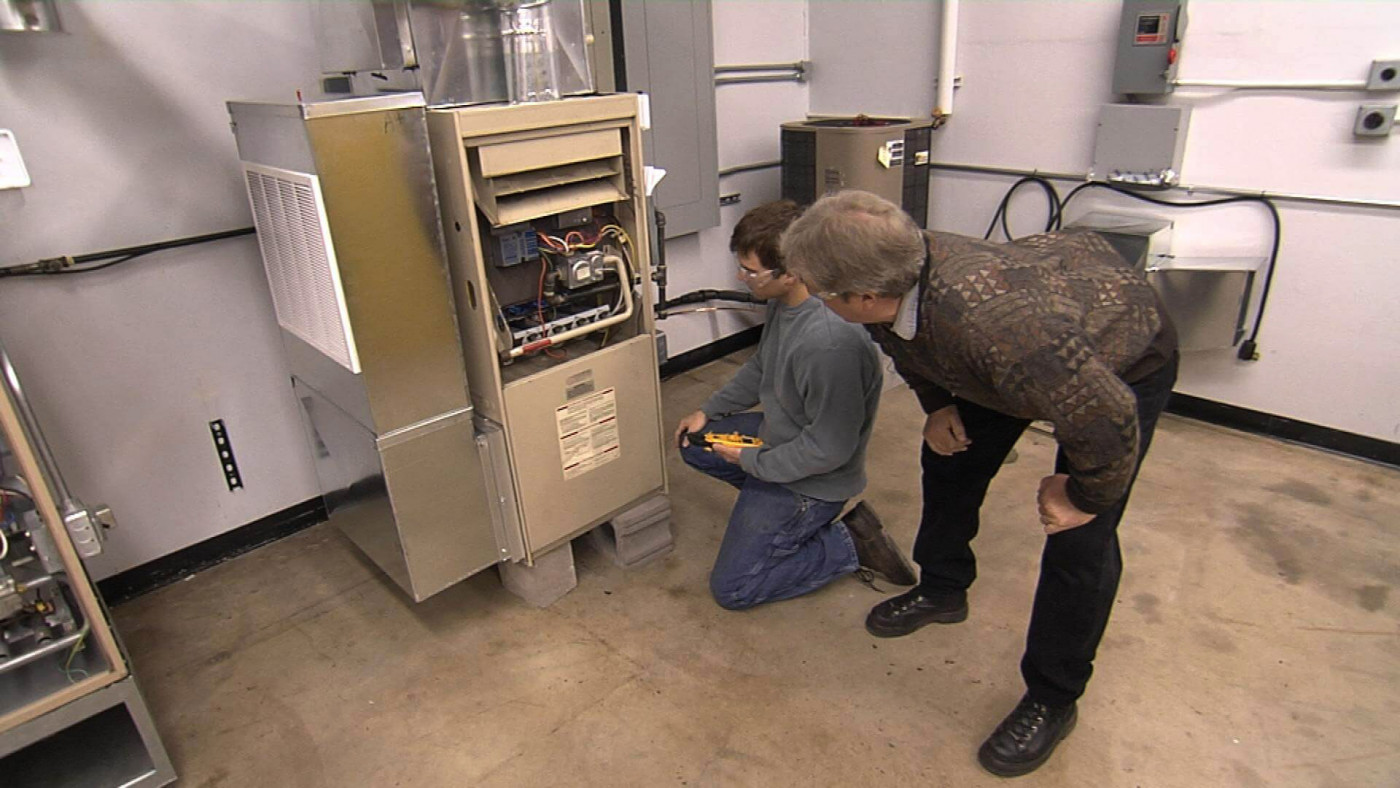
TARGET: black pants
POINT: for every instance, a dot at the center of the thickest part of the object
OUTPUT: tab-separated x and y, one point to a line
1079	568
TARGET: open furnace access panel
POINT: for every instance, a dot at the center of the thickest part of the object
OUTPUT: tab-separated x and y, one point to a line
544	211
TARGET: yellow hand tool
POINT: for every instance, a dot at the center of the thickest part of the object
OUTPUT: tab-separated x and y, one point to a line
732	439
710	439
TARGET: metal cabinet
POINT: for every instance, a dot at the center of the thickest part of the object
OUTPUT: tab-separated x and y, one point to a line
344	202
70	711
464	296
582	427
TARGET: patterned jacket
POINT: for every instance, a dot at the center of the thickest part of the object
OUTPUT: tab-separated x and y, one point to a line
1046	327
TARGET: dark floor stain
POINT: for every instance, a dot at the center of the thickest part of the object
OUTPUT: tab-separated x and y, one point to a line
1307	718
895	499
219	777
1121	641
1365	496
1216	640
678	592
1246	777
1301	491
1263	534
1372	597
1146	605
1356	570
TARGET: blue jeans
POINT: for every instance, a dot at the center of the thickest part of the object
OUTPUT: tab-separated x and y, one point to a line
779	544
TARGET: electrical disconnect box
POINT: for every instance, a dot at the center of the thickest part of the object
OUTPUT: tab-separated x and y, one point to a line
1149	40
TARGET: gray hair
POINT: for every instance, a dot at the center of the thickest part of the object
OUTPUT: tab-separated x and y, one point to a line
855	242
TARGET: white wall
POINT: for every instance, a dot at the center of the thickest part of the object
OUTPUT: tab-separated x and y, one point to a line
748	117
122	125
1034	77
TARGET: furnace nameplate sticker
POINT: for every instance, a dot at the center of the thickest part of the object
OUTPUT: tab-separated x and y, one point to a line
588	437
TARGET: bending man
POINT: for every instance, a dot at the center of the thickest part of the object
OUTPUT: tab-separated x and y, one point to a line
990	337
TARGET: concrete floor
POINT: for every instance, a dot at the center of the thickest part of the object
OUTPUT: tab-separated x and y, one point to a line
1255	643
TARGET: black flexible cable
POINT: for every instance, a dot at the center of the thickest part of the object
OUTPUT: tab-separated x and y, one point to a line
78	265
1249	349
663	309
700	296
1052	196
90	268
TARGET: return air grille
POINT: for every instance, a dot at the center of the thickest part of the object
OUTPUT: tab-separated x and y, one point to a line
290	217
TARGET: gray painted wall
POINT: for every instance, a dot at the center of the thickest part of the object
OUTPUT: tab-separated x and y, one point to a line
122	125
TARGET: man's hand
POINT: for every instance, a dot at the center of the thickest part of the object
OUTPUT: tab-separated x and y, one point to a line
695	422
944	433
1056	512
727	453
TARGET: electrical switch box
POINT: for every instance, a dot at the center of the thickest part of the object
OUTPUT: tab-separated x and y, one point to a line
1140	144
1149	39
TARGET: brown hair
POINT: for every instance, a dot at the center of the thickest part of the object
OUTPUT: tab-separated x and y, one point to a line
761	230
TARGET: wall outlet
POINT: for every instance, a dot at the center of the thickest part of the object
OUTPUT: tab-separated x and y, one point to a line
13	174
1374	120
1385	75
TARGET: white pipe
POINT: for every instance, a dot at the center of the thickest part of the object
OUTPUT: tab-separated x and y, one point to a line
624	275
1254	85
947	58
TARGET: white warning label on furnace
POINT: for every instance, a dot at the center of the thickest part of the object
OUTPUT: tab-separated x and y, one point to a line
588	432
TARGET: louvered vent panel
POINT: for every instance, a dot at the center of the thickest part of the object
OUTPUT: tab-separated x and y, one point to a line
300	261
528	179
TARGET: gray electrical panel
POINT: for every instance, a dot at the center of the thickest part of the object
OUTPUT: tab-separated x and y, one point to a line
668	54
1140	144
1149	37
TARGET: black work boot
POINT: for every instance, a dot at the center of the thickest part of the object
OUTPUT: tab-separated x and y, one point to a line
900	615
875	549
1025	739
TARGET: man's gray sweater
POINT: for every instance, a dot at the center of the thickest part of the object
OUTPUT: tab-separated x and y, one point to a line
818	379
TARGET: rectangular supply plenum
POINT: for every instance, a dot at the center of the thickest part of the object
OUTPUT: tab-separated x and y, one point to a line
290	215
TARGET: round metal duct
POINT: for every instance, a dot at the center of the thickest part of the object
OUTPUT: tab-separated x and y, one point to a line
29	16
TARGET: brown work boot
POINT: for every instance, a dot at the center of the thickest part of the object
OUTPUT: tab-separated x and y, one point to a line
875	549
